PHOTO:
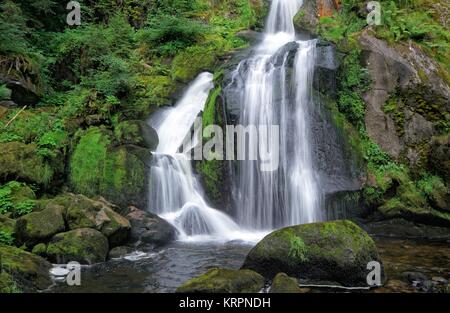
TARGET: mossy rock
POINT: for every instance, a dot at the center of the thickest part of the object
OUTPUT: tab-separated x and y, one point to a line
97	214
7	284
7	224
83	245
331	251
22	162
38	227
282	283
22	271
137	133
40	249
224	281
22	193
98	168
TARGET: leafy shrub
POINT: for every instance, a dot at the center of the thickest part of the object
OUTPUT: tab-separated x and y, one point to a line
7	203
167	34
6	238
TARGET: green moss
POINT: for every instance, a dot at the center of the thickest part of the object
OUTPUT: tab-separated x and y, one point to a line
97	168
7	284
298	249
211	114
26	271
395	108
224	281
189	63
40	249
16	198
88	161
83	245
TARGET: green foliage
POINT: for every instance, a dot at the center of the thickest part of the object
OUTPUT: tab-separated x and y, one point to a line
209	116
298	248
166	35
4	92
88	161
415	24
341	25
8	203
6	238
354	81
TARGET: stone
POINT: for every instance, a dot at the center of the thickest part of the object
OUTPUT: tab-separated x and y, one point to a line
150	228
38	227
22	271
98	214
83	245
333	251
282	283
224	281
119	252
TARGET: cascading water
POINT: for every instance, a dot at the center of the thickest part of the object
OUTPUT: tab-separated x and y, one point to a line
175	193
268	96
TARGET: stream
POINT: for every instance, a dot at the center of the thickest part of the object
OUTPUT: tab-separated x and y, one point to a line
166	269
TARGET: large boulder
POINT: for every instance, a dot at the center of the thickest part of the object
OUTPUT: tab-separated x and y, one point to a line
224	281
22	162
38	227
149	228
22	271
332	251
99	167
84	245
83	212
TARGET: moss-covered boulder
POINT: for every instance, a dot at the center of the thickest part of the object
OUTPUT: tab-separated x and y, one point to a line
98	214
38	227
224	281
84	245
40	249
137	133
22	162
332	251
98	167
282	283
22	271
7	224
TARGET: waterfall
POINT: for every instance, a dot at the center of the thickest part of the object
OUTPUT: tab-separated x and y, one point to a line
175	193
271	95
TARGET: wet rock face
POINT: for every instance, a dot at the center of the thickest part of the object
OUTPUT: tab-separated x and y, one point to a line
149	228
338	166
332	251
406	77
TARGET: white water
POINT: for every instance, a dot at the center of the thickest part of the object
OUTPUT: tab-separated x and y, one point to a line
175	193
265	200
289	196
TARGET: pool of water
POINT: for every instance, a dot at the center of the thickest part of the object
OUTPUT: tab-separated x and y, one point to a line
166	269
